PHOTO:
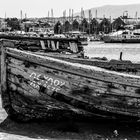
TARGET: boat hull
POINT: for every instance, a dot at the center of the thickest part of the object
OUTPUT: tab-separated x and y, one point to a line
37	87
116	39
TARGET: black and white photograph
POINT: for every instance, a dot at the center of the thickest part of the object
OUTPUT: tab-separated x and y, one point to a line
70	70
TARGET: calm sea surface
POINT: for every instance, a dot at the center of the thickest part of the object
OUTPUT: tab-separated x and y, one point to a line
112	50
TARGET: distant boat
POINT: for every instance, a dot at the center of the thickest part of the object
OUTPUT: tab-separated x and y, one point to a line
94	38
123	36
35	87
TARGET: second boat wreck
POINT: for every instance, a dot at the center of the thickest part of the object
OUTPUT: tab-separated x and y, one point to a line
68	49
41	87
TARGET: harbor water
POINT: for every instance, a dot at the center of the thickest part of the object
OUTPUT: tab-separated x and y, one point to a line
112	50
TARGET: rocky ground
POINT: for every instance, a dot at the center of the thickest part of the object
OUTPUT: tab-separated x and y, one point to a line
97	130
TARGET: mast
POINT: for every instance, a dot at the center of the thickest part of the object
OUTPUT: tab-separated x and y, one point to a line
63	17
72	19
89	19
72	14
5	22
69	15
25	16
5	15
81	14
20	20
52	16
48	16
21	14
136	15
96	14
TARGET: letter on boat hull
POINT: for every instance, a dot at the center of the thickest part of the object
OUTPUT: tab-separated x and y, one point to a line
37	87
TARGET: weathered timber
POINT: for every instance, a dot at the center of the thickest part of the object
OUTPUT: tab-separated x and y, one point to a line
38	86
6	101
83	70
114	88
86	96
33	44
37	38
115	65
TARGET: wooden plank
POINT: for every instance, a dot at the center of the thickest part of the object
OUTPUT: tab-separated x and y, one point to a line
132	68
4	37
88	71
100	88
107	104
108	101
42	45
17	67
37	102
4	92
77	72
90	80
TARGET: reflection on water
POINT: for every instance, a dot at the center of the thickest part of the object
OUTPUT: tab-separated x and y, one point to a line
112	50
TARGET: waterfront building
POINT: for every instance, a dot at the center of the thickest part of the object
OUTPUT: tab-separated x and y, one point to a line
105	26
84	26
117	23
58	28
75	25
67	26
94	26
3	25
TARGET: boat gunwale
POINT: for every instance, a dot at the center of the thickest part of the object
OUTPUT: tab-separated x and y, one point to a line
9	38
69	64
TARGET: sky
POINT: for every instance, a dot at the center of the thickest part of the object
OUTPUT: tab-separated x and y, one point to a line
40	8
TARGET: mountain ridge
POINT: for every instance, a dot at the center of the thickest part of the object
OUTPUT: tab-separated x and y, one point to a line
113	11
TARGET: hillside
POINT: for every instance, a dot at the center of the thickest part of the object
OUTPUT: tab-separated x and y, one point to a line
114	11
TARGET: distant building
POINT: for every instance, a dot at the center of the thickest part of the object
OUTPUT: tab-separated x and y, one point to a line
84	26
37	26
75	25
94	26
3	24
117	23
58	28
105	25
67	26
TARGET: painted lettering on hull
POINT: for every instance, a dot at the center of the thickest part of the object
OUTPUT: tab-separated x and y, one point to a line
49	82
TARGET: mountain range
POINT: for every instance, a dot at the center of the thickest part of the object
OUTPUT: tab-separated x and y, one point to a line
113	11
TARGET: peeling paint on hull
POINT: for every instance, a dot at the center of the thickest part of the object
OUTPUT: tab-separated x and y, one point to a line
41	87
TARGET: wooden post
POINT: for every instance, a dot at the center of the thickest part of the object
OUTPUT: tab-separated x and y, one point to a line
42	44
48	43
53	45
120	56
4	95
57	45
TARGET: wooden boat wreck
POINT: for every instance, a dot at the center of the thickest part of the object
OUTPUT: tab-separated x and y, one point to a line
41	87
68	49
